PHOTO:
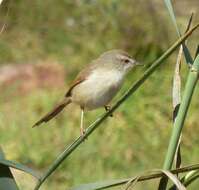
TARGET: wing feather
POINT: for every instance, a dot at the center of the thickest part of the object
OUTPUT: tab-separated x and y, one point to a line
81	77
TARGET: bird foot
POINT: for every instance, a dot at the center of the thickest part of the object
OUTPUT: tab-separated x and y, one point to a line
107	108
82	131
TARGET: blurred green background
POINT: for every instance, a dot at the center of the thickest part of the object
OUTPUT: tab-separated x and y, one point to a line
42	48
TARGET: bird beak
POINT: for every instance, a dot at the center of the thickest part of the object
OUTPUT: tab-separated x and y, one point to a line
134	62
138	63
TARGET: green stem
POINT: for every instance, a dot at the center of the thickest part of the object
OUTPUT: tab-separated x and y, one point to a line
190	85
179	123
96	124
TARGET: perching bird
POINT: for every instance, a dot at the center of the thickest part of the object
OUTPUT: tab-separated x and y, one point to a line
96	85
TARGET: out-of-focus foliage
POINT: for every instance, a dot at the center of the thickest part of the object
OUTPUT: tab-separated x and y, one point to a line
76	30
72	33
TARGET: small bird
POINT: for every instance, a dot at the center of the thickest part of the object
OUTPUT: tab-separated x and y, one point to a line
96	85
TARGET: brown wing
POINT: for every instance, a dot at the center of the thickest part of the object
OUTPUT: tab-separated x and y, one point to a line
82	76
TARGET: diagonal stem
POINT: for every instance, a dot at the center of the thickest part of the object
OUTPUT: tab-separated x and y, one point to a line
97	123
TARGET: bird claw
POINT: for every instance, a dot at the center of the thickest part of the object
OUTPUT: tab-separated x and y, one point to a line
107	108
82	131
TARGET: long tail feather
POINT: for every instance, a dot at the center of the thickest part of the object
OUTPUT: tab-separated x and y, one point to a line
57	109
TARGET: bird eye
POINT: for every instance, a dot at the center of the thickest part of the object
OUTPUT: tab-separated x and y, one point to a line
126	61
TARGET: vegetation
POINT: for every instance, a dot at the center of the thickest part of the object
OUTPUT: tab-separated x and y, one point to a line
73	33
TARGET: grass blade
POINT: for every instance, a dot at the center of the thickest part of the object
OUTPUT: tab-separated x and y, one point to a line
19	166
177	88
177	79
7	181
97	123
171	176
191	177
186	51
154	174
177	84
177	93
197	51
172	15
187	54
176	97
178	125
174	179
188	179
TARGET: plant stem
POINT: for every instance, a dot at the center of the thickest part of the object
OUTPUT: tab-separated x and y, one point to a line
179	123
96	124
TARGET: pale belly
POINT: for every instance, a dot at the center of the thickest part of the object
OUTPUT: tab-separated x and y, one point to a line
97	90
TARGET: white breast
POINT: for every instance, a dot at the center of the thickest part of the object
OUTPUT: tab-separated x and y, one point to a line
104	79
98	89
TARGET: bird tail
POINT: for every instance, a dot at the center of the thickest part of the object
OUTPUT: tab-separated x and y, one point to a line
57	109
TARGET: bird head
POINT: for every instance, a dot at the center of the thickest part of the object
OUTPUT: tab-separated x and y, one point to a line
118	59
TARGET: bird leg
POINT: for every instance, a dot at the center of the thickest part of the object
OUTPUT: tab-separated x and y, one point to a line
107	108
82	130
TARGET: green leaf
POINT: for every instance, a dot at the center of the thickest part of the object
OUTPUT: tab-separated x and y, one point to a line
19	166
187	55
186	51
172	15
7	181
180	119
176	89
189	178
197	51
174	179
